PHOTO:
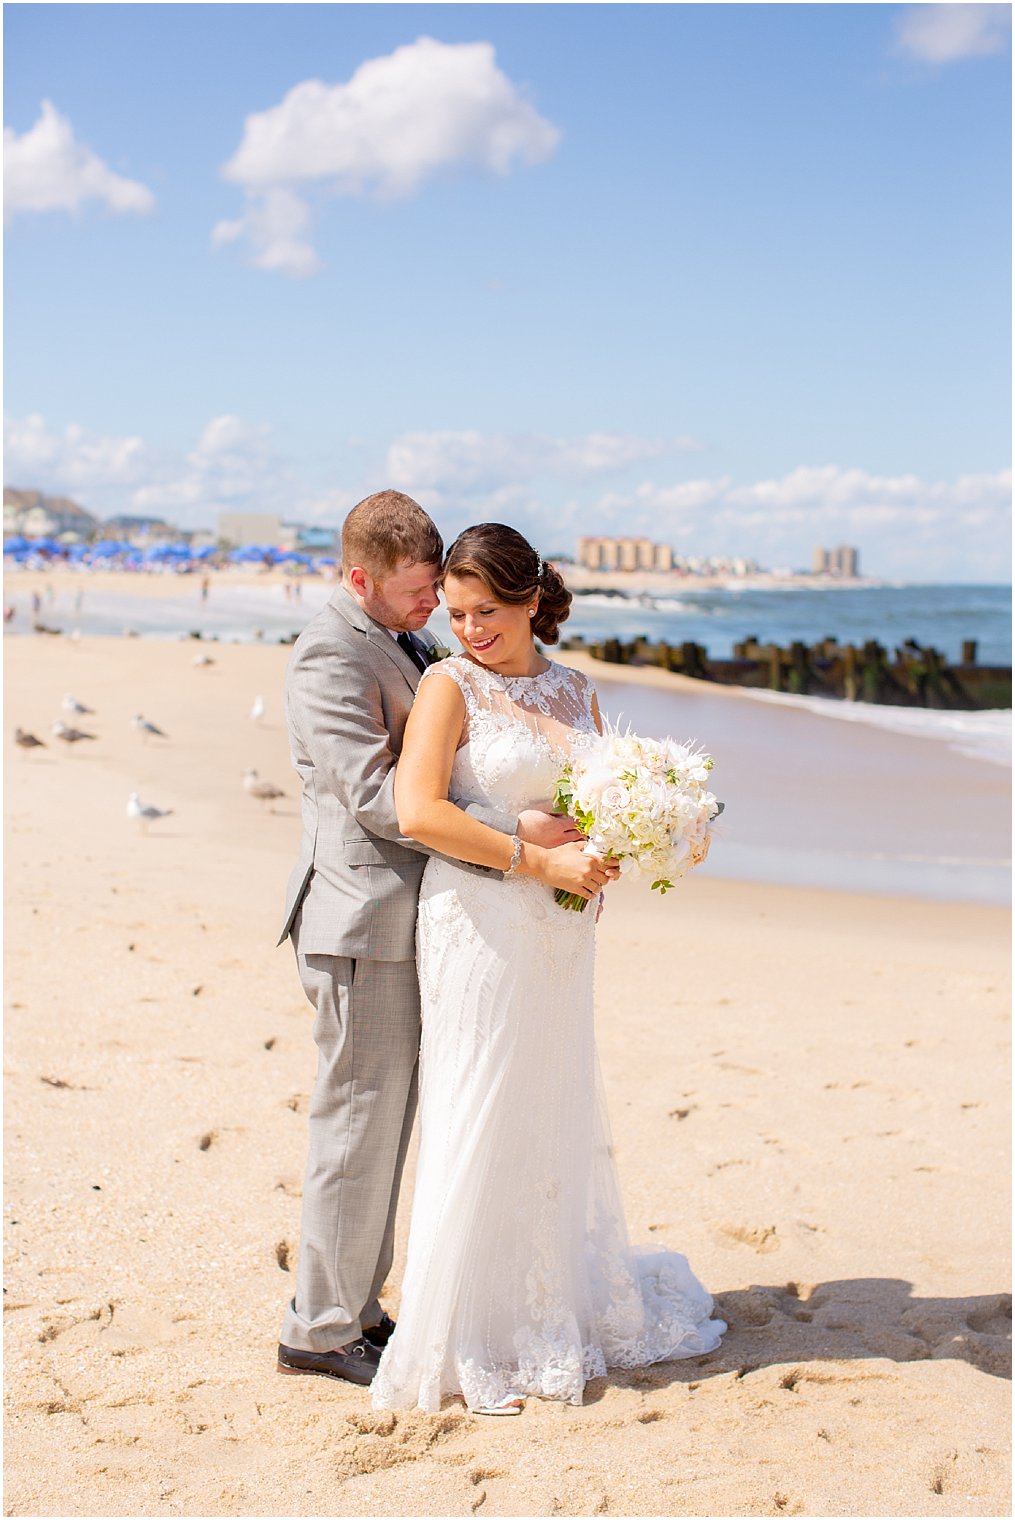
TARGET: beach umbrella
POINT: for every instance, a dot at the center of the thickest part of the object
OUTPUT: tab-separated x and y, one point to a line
16	545
206	552
176	551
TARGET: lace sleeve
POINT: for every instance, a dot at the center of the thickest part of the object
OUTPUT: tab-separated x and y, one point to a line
454	672
585	693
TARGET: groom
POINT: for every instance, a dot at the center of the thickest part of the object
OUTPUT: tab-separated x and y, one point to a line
351	915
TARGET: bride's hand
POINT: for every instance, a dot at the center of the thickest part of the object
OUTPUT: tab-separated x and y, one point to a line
569	868
546	828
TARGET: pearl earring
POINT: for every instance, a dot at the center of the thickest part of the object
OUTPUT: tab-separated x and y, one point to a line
532	612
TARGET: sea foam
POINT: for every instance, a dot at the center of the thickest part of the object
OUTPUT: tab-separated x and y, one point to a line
979	735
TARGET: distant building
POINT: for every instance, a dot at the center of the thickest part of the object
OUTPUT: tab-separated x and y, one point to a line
243	529
37	516
306	536
624	554
842	562
848	561
139	531
643	554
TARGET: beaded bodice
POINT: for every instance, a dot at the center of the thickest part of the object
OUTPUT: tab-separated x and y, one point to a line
518	732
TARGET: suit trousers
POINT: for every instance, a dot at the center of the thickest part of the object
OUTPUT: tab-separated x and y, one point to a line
367	1029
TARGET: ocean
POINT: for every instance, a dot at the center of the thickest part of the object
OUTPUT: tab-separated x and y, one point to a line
819	793
941	616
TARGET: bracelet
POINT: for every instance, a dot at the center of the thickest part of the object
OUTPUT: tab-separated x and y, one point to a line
516	856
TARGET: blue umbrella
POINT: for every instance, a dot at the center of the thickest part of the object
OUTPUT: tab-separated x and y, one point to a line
167	551
250	553
106	548
16	545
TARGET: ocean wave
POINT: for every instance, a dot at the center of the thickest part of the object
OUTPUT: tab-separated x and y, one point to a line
979	735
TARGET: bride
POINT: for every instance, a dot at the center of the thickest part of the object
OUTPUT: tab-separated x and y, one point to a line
520	1278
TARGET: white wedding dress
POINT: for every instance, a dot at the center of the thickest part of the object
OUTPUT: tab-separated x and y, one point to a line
520	1279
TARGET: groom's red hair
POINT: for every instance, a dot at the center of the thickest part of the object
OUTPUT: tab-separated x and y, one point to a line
386	531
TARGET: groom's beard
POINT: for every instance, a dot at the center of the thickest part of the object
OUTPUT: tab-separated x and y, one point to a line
398	619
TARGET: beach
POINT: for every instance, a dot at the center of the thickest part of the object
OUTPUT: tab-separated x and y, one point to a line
808	1089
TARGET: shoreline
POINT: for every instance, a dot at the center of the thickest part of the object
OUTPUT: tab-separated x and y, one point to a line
638	582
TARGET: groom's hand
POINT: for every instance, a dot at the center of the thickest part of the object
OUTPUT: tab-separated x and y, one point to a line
548	829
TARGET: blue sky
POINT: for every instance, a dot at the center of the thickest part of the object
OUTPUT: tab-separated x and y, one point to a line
737	276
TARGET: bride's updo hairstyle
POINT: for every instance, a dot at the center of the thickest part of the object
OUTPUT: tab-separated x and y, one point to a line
513	572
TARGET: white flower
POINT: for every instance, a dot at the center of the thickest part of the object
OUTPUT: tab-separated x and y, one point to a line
647	801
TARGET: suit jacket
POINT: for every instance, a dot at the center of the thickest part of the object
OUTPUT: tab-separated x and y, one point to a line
348	691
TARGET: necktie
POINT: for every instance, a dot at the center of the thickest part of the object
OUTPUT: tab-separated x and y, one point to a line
405	642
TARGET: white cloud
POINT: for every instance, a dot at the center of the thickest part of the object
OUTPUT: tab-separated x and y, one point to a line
232	464
453	463
46	169
426	109
551	489
329	507
904	525
275	223
74	460
946	33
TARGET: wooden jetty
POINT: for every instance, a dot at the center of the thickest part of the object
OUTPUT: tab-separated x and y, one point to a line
914	676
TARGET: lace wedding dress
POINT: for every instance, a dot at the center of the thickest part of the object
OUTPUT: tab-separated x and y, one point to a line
520	1279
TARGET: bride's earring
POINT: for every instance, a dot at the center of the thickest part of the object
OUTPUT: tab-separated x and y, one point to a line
532	612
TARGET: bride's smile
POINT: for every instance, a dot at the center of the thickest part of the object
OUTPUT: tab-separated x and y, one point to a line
498	635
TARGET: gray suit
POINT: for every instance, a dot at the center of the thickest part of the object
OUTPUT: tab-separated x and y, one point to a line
351	911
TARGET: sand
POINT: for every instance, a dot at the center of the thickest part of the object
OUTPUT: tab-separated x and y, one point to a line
809	1097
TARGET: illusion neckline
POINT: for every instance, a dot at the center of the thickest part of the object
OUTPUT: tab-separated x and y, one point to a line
498	675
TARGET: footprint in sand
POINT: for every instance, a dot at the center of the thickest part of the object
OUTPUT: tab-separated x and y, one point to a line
367	1446
761	1238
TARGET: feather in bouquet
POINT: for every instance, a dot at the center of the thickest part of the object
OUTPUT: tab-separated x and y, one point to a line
643	802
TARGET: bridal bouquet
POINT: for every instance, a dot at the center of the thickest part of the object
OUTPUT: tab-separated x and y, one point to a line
643	802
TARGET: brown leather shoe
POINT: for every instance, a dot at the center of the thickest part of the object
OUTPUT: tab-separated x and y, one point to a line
380	1334
354	1363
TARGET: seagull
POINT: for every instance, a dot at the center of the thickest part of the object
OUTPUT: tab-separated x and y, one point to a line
27	741
70	736
202	659
264	791
144	812
72	705
256	713
145	728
